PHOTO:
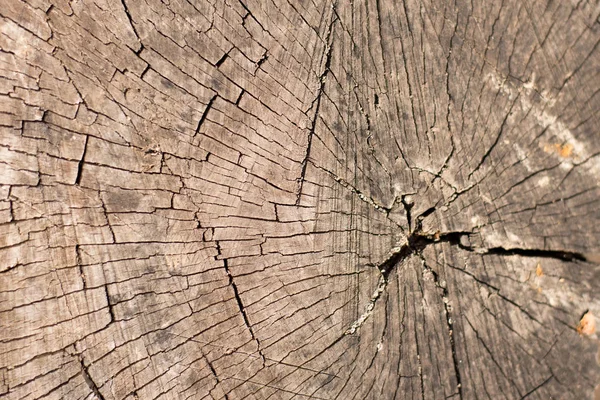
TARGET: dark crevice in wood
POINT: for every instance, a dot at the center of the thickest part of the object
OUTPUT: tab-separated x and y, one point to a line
221	60
359	193
454	238
89	381
110	307
448	309
239	301
555	254
196	218
79	266
408	204
214	372
316	104
249	14
11	211
131	23
204	114
139	51
264	58
146	69
80	164
105	211
237	102
417	241
537	387
420	217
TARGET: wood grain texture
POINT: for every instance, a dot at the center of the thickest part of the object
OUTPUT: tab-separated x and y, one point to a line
254	199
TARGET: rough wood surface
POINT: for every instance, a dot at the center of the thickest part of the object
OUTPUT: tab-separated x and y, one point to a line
255	199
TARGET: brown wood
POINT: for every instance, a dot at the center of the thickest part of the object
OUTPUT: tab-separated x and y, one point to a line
255	199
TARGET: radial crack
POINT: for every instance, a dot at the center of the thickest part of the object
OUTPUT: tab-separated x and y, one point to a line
135	32
448	310
204	114
240	303
214	372
89	381
81	161
418	241
317	103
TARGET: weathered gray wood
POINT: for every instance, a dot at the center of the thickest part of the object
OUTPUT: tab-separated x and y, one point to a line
249	199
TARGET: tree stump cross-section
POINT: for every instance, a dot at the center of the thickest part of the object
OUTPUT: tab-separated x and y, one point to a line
254	199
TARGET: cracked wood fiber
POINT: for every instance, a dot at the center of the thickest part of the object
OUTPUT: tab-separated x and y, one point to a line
255	199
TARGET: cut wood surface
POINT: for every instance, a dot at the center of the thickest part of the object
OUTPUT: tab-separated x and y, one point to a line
257	199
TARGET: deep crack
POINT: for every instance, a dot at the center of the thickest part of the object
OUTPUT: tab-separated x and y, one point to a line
316	104
89	381
240	303
81	161
417	241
